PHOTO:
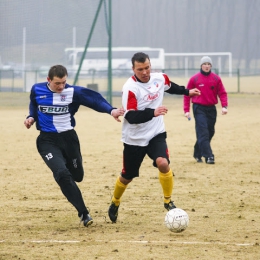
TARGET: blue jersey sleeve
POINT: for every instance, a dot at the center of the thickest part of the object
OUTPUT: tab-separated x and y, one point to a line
33	105
91	99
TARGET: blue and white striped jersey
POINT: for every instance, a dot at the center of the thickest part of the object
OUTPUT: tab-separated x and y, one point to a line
54	112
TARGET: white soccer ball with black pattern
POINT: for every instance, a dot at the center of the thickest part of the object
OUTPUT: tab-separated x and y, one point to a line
176	220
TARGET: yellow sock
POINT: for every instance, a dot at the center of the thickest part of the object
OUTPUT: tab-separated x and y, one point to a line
118	191
167	182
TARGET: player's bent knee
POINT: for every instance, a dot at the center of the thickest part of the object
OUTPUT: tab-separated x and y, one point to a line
61	173
78	178
162	164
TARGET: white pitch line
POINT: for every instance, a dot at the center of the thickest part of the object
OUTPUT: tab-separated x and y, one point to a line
54	241
176	242
41	241
132	241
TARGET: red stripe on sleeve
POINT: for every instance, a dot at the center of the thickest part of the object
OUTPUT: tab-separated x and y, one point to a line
167	80
131	101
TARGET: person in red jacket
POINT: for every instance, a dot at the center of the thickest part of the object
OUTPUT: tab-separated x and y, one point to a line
204	108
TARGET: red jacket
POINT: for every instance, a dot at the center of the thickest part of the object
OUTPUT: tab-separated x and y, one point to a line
211	88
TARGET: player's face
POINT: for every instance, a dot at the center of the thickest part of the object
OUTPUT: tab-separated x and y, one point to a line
142	70
57	84
206	67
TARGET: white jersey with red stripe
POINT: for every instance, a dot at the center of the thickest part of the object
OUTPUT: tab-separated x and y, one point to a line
139	96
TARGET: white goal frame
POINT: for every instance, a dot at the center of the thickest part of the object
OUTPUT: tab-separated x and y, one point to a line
187	54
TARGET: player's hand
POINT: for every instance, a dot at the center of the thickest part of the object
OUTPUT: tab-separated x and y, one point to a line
28	122
117	112
187	114
224	111
160	111
194	92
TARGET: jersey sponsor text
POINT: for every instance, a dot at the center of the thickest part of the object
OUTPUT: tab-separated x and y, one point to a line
54	109
151	96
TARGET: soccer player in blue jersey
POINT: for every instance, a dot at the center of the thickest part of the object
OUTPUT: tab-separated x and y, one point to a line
53	105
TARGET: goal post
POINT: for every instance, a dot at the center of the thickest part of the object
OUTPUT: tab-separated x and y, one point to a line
186	56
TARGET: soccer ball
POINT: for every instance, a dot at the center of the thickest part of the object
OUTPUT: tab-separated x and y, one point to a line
176	220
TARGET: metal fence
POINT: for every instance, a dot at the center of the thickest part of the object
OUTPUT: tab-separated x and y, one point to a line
12	80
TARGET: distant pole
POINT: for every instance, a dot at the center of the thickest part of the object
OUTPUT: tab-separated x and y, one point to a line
186	67
88	41
230	64
238	81
219	66
24	49
110	52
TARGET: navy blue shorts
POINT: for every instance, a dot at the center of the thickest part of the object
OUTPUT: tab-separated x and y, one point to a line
133	155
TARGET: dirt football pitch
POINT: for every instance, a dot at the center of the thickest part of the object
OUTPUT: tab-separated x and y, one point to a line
222	200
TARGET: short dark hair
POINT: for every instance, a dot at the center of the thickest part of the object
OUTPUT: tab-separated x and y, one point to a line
57	71
139	57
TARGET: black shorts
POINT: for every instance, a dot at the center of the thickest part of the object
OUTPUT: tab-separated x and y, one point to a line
133	155
61	153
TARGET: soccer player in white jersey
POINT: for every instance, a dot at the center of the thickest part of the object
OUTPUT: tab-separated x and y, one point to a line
53	105
143	131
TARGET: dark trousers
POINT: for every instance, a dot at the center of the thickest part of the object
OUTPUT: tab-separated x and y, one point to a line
205	120
61	153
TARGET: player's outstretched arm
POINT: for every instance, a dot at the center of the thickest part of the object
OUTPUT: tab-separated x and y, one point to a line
143	116
28	122
117	112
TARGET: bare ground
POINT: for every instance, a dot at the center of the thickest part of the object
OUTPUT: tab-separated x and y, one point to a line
222	200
